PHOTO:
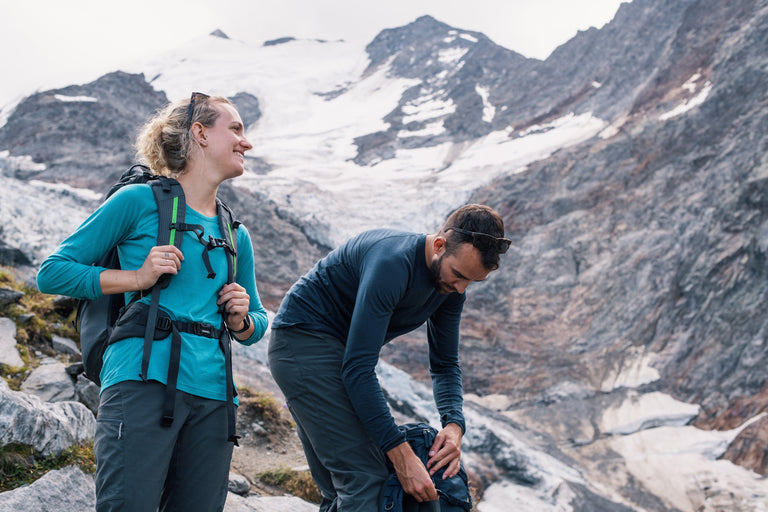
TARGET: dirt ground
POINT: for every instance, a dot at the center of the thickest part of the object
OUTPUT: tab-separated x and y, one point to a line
268	442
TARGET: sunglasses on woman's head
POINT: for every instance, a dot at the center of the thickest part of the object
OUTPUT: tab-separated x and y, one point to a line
197	97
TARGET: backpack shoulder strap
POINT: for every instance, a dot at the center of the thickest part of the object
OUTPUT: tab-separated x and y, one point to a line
171	207
228	227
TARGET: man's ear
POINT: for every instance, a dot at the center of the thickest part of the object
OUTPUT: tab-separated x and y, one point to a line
438	245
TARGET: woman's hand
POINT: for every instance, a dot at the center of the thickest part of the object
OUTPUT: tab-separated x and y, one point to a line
235	301
162	259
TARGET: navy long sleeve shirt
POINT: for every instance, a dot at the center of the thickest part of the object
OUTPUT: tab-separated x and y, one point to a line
368	291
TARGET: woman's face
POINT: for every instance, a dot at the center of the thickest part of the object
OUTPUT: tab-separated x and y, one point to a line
226	142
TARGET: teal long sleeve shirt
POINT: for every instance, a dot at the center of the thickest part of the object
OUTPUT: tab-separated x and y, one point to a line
129	221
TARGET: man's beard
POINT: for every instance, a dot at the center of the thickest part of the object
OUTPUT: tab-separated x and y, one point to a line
434	276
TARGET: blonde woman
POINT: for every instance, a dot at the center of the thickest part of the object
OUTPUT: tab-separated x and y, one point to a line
181	464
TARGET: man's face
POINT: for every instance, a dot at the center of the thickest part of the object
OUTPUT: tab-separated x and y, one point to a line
454	272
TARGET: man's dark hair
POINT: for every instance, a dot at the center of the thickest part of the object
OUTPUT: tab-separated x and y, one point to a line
475	218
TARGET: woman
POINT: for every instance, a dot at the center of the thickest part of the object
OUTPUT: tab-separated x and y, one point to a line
141	464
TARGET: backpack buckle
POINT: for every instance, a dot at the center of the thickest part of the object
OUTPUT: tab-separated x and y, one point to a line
163	323
206	330
213	243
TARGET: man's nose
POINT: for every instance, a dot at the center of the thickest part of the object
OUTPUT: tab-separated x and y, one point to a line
461	286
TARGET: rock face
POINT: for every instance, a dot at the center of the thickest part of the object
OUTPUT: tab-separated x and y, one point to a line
452	69
645	249
80	132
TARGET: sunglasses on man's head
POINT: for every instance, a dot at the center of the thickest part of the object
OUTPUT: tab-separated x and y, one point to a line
482	240
197	97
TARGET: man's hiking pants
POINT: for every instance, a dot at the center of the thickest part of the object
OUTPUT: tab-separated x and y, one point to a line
348	467
141	465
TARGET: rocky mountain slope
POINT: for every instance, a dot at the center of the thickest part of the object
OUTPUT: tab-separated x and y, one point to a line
646	247
623	336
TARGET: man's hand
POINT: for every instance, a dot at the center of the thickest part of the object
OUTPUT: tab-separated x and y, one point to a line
412	474
446	451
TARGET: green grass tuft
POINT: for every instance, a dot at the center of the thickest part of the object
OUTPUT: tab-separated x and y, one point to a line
21	465
298	483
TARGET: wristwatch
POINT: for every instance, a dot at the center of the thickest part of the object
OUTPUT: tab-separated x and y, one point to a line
246	325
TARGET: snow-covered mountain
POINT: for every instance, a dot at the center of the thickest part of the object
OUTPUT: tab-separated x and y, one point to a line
616	360
320	98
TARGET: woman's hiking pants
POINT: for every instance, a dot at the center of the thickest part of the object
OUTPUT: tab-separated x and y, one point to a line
141	465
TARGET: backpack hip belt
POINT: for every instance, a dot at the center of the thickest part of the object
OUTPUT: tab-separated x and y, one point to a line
133	324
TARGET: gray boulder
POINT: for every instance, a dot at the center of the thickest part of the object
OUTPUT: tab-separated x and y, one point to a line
8	296
87	393
65	345
9	354
238	484
237	503
51	382
48	427
62	489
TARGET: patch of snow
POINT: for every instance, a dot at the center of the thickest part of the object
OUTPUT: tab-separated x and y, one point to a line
614	128
497	148
22	163
650	410
431	129
403	390
609	132
681	464
67	190
489	111
688	104
451	55
64	98
505	497
427	108
494	402
469	37
690	84
35	210
633	371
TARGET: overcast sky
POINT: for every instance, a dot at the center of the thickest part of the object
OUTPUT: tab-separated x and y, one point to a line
51	43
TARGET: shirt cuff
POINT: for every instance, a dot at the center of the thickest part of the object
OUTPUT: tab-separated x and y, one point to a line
396	438
454	417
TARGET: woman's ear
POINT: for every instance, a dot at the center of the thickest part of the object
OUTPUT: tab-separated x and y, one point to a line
198	132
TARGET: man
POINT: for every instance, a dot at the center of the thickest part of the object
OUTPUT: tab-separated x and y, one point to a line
326	340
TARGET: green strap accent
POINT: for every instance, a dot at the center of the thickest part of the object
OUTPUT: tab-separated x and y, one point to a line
234	257
173	219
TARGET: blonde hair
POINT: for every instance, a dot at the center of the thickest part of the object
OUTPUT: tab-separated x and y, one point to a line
165	142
